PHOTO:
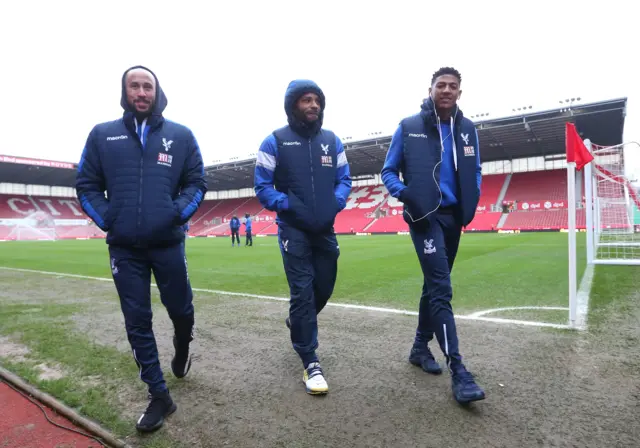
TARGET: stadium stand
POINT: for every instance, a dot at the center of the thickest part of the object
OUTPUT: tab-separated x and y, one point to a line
44	218
542	220
212	219
531	186
533	200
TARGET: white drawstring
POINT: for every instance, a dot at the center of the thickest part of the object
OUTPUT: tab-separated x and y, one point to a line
455	155
142	126
455	161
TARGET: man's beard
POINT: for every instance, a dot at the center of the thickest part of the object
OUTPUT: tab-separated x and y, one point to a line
299	122
142	114
302	117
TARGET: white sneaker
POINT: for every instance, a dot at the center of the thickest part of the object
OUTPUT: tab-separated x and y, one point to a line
314	379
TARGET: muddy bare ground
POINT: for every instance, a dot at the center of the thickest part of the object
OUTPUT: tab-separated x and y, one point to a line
544	387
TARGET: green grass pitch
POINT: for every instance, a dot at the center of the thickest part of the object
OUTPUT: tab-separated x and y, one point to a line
491	270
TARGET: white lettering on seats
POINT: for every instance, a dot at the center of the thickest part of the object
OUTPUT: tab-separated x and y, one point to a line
52	210
356	193
376	197
366	197
53	206
74	206
12	204
394	202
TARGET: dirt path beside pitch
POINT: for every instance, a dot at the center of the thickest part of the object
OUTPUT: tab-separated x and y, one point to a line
544	387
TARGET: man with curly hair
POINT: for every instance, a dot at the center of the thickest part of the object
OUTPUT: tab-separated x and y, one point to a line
438	155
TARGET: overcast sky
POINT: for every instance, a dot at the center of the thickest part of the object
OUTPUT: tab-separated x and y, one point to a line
225	68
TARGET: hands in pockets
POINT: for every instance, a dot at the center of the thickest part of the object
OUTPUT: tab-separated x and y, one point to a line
299	215
160	224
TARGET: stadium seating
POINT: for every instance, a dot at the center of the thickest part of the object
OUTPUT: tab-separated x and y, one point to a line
360	210
542	220
532	186
491	187
485	221
44	218
539	204
370	209
212	218
17	207
389	224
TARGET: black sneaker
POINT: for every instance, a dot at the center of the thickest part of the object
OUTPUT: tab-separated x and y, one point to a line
465	390
422	357
160	406
181	362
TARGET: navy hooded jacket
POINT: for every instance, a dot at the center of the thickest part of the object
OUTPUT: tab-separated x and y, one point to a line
302	172
234	224
439	162
152	172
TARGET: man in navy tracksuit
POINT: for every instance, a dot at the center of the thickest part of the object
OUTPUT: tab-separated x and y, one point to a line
153	173
247	229
308	167
438	154
234	225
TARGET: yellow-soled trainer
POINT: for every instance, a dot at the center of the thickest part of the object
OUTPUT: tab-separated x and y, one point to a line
314	381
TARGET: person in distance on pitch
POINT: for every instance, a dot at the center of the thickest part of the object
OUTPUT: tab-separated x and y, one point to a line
234	226
153	173
302	173
437	151
247	229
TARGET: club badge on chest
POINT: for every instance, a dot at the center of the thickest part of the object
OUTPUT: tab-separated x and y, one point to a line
326	159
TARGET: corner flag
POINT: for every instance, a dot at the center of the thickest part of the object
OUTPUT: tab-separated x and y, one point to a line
576	151
578	156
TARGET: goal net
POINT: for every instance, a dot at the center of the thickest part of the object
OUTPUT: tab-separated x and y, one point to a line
36	226
612	204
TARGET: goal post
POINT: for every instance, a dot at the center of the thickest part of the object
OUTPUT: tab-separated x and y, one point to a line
37	226
608	210
612	201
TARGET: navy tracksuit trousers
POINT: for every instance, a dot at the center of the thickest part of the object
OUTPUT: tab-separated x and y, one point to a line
131	270
235	236
311	266
436	245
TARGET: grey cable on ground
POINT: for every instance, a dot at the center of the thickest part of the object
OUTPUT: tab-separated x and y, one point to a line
44	411
98	432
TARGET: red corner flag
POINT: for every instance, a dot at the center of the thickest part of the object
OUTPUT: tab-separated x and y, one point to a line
576	151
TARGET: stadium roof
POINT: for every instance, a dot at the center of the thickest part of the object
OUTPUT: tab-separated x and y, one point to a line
531	134
20	170
528	135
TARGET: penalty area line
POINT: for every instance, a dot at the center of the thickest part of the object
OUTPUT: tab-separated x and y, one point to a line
477	316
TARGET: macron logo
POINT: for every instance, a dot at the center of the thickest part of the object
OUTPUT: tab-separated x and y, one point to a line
418	135
118	137
292	144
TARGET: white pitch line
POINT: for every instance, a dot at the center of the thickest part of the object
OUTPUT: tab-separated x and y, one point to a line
516	308
475	316
59	274
500	320
583	297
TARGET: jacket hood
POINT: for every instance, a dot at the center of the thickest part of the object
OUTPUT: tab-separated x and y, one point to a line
160	100
295	90
428	112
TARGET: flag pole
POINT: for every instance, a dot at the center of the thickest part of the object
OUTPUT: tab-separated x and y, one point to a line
577	157
573	284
